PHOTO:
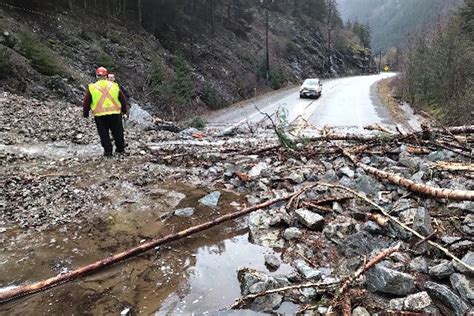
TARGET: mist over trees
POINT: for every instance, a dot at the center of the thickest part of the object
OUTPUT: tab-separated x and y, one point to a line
392	21
437	70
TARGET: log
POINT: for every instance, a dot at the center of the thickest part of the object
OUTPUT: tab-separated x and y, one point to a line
25	290
456	195
469	129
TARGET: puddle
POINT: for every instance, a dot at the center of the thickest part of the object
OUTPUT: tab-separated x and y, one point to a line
212	281
197	274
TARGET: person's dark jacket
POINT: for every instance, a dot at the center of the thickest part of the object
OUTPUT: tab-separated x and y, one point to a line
86	104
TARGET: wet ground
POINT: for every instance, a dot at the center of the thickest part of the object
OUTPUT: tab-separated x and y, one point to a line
198	274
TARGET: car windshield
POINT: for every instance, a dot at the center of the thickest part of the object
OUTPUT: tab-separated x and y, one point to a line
311	82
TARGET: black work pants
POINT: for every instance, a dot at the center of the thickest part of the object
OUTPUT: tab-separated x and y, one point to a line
111	123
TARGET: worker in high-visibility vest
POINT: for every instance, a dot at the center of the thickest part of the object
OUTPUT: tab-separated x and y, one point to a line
107	103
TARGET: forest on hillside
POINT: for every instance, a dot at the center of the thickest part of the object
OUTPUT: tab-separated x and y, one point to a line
437	68
392	21
185	53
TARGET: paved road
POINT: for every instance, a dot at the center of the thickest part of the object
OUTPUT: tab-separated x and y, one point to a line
345	102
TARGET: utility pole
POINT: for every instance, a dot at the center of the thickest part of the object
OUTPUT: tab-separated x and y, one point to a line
266	4
331	7
267	53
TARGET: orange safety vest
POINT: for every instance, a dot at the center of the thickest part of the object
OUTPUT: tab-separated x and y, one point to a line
105	98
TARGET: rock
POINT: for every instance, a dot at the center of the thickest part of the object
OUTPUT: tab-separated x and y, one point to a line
211	199
462	246
267	238
249	277
405	159
307	295
366	184
337	207
362	244
422	222
346	171
310	219
408	216
418	177
469	260
442	270
330	176
297	177
466	206
385	280
360	311
257	170
468	224
445	299
185	212
292	233
372	228
339	228
272	261
394	230
397	304
417	302
438	155
140	117
267	303
450	239
464	286
126	312
419	264
306	271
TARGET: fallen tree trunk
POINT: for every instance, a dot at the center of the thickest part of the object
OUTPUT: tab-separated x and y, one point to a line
24	290
469	129
457	195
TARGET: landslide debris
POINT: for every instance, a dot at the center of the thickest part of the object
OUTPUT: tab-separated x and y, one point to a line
325	233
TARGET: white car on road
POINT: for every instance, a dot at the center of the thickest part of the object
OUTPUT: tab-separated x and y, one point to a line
311	88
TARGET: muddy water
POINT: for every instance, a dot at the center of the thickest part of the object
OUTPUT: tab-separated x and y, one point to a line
197	274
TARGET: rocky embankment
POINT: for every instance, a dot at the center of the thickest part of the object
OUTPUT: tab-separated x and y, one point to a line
343	217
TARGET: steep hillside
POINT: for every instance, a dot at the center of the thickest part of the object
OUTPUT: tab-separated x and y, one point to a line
179	57
391	21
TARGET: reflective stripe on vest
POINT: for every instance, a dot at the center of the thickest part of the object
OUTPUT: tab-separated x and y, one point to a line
105	98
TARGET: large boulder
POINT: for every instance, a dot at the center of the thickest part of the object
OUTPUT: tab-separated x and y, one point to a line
140	118
385	280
